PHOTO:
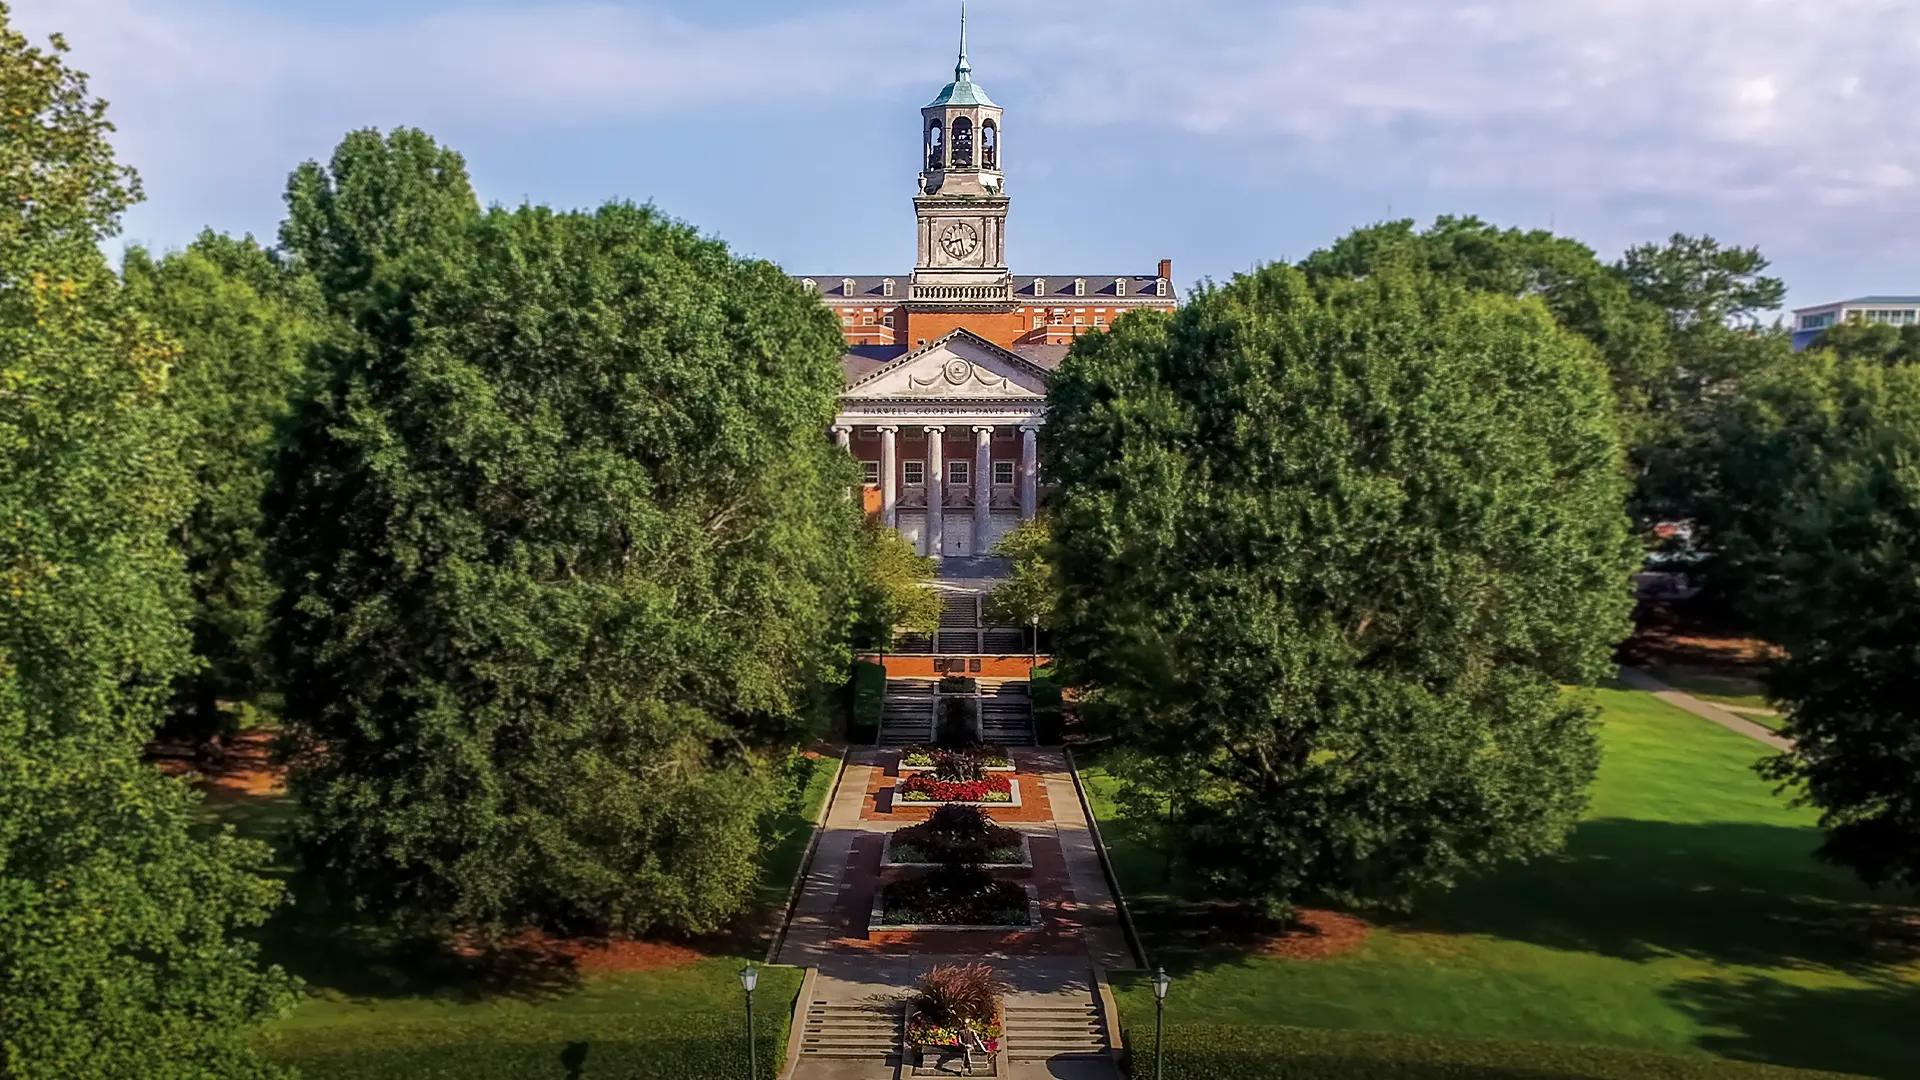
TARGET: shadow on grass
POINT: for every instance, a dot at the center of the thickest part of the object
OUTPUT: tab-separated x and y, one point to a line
1769	1021
1722	892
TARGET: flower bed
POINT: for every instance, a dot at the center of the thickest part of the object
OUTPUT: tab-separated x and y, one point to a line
917	847
992	758
962	898
922	1031
921	788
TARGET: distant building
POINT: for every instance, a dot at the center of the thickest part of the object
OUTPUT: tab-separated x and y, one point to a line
947	368
1809	323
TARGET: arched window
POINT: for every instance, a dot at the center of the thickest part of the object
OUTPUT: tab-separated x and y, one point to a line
989	146
962	143
936	147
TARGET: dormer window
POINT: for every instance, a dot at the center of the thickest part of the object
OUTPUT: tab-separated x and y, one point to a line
1039	286
846	286
810	285
1120	287
1080	286
1160	287
886	287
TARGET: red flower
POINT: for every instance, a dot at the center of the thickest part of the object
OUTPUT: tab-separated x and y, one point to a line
921	787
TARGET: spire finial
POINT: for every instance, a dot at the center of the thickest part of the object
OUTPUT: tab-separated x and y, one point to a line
963	69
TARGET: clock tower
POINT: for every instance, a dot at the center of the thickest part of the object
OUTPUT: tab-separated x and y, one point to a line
962	203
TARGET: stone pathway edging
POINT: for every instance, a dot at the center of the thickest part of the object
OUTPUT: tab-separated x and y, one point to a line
795	886
1706	710
1134	944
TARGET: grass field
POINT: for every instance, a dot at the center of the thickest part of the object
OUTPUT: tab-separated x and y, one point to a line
1687	916
378	1009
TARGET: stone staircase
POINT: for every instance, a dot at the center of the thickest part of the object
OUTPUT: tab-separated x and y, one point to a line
960	625
1006	714
1043	1029
906	716
857	1032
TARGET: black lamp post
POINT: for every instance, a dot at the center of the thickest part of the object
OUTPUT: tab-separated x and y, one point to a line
1035	621
749	978
1160	984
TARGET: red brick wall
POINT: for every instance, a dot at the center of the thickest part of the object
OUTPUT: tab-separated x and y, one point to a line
1005	329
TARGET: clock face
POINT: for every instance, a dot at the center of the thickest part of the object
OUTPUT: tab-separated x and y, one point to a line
960	240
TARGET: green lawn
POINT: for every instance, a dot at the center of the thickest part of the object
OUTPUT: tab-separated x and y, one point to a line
1686	917
379	1009
1714	684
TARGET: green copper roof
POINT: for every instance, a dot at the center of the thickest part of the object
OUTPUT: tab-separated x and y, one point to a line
962	91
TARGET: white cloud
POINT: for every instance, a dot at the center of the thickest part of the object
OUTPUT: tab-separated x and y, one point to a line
1799	110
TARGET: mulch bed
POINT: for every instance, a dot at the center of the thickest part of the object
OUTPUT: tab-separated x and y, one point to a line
1318	934
240	765
600	955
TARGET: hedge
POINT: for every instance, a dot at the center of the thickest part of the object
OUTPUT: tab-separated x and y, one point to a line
1046	707
1197	1052
423	1053
869	698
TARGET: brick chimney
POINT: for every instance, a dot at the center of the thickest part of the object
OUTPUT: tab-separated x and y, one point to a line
1166	270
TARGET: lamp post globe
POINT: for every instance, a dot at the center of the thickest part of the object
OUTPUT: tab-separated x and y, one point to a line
1160	984
750	978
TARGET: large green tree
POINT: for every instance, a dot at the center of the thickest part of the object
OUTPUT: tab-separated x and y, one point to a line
1327	551
895	594
1817	502
566	554
117	949
243	324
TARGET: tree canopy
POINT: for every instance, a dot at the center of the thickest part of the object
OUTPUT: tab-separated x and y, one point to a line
1816	508
896	594
243	325
1326	550
1028	595
565	554
118	954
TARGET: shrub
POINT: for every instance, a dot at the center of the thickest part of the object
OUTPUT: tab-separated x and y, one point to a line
1210	1052
959	684
954	896
960	993
959	836
959	768
959	727
1048	712
869	697
991	756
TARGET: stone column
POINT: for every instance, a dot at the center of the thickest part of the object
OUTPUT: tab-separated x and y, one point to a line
1029	471
982	487
889	478
936	489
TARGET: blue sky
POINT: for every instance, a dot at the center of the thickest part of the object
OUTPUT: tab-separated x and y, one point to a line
1218	133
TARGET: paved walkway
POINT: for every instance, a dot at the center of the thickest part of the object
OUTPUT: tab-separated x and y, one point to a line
1641	680
1049	968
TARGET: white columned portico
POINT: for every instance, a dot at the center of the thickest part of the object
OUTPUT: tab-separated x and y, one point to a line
889	477
1029	471
982	487
936	490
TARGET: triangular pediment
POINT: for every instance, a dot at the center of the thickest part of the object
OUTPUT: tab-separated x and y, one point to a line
959	365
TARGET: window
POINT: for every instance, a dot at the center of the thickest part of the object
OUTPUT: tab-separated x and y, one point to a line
1160	287
1039	286
936	147
886	321
870	473
1079	320
810	285
1003	474
1099	320
1816	322
846	320
989	146
846	286
959	473
886	287
962	153
1039	321
1059	318
1120	287
915	473
1080	286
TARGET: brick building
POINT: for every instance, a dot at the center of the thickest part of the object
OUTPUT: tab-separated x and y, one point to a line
948	365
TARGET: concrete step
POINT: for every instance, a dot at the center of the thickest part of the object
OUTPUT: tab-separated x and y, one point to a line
1038	1032
851	1032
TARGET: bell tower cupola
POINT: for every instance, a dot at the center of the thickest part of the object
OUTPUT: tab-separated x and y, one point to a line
962	203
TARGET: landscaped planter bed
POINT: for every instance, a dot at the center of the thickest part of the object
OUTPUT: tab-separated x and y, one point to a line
1019	854
1010	909
921	789
926	758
